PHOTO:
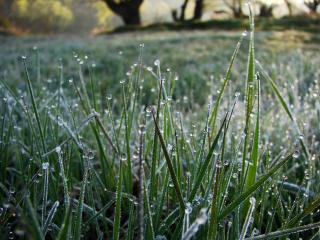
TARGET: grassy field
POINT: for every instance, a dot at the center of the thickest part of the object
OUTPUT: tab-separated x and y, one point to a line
162	135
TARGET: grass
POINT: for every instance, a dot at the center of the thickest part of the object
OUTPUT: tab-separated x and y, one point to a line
93	146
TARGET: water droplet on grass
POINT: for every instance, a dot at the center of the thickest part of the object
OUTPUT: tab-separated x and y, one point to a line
296	154
157	62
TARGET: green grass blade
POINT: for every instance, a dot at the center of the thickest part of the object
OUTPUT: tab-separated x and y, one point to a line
236	203
169	164
34	106
66	224
284	105
206	162
286	232
78	218
215	111
117	214
249	95
50	217
307	211
34	220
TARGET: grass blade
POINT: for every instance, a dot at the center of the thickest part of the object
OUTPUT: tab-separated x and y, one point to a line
34	220
206	162
117	214
64	230
169	164
50	217
78	220
285	107
236	203
286	232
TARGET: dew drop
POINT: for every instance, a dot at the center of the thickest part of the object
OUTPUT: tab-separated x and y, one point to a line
296	154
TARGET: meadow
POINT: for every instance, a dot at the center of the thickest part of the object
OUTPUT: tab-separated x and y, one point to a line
161	135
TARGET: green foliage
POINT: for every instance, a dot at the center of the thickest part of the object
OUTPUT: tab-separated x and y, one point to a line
53	14
193	184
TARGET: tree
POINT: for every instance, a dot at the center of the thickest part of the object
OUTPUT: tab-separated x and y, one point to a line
182	16
198	10
266	10
38	15
128	10
312	5
289	6
236	7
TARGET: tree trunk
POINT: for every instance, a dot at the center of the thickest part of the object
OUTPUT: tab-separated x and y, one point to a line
129	11
198	10
289	6
183	10
130	16
312	5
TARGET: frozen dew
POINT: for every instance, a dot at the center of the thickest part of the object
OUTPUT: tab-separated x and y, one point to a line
157	62
188	209
202	219
45	165
122	81
58	149
109	97
23	57
245	33
296	154
90	155
237	94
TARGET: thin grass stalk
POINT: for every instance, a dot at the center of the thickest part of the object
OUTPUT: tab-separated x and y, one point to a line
169	164
141	182
45	168
117	214
34	106
50	217
248	219
286	232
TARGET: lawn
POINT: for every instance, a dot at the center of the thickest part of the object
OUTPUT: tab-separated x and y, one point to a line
160	135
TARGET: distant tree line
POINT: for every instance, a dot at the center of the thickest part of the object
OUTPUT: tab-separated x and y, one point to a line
54	14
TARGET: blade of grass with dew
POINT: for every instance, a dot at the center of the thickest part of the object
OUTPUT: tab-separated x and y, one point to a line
50	217
34	220
128	174
248	219
78	217
286	232
169	164
204	166
130	232
284	106
150	226
98	214
218	175
34	106
308	210
66	224
63	176
236	203
141	182
45	168
249	95
117	213
194	228
154	187
227	77
252	172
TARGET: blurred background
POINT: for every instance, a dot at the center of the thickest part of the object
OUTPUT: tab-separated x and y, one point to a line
96	16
